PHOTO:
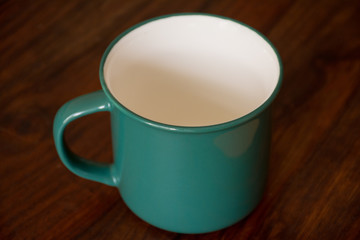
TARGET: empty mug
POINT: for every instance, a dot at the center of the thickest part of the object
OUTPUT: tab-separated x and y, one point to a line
189	97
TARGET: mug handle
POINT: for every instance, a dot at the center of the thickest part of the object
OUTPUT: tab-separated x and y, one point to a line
70	111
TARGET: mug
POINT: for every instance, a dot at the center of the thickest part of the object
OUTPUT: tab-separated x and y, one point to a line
189	97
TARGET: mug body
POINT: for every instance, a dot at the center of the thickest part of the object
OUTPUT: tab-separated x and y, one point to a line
190	182
181	161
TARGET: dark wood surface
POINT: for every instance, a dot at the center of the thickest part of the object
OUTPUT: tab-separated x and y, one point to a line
50	53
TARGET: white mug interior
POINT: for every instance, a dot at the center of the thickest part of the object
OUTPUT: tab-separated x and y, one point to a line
192	70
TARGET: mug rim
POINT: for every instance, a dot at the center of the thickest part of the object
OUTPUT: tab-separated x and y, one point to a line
192	129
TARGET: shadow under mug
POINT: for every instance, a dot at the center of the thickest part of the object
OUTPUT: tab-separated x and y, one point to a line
183	165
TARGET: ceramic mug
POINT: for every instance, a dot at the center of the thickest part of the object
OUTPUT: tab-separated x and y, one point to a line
189	98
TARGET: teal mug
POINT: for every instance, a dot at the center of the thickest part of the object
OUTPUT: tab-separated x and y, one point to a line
189	97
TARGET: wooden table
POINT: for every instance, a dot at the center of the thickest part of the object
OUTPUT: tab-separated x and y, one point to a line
50	53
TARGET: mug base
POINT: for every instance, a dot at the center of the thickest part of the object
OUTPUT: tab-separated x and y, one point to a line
200	228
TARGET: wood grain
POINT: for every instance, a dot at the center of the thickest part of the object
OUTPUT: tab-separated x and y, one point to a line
50	53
